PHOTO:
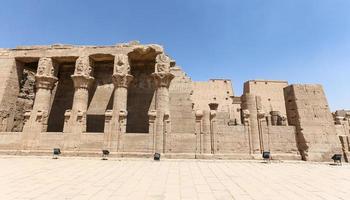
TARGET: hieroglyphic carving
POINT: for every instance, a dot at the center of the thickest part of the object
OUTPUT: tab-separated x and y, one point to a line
121	64
83	66
162	63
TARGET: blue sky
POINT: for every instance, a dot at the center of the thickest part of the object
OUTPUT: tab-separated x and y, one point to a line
302	41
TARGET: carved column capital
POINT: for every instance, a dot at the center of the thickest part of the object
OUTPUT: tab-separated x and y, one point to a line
152	114
45	82
162	79
83	66
163	63
82	77
45	75
121	64
122	79
46	67
81	81
123	114
199	115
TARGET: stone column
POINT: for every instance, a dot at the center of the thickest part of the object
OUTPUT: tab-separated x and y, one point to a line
80	102
42	104
162	78
166	131
44	81
152	115
107	129
76	118
82	79
249	103
199	132
213	130
206	132
121	80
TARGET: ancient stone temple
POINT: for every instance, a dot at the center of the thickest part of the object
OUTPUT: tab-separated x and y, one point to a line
133	100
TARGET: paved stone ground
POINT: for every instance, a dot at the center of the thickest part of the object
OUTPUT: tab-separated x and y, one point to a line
91	178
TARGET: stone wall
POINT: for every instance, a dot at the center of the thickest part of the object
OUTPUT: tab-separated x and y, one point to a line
270	92
10	141
213	91
181	143
7	66
9	91
308	110
232	139
281	140
19	93
181	111
140	142
25	99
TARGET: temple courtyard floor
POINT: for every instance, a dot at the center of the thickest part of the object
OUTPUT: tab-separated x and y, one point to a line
92	178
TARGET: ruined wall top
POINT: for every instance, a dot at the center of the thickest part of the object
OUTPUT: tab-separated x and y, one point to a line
67	50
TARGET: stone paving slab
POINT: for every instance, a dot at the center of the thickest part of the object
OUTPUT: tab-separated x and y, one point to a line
91	178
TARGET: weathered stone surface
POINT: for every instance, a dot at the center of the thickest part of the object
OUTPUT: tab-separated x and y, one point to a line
133	100
308	110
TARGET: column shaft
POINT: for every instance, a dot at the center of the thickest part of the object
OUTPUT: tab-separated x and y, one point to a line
162	100
162	81
120	99
249	103
37	119
42	99
80	103
121	82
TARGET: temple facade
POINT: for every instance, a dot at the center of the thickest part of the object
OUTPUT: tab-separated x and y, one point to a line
133	100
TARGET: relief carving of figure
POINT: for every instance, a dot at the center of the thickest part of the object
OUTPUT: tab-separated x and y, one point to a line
162	63
121	64
83	66
45	67
246	115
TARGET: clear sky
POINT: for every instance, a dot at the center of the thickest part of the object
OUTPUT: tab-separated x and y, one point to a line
302	41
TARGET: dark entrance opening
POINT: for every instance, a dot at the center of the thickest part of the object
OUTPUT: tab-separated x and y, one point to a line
102	96
140	97
63	97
